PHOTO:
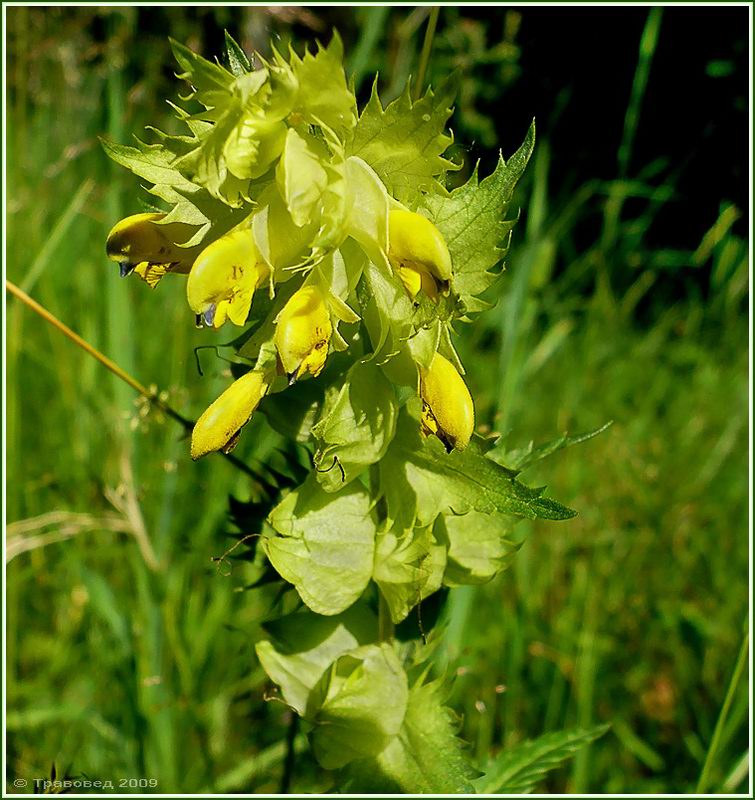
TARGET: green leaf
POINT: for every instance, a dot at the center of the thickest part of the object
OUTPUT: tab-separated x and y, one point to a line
421	480
301	178
425	757
479	547
405	143
386	310
361	705
190	203
408	569
472	222
367	205
325	545
357	428
210	82
238	63
303	645
323	94
520	768
521	459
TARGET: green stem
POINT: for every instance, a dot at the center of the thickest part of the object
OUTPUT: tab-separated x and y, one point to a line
290	760
702	784
427	47
385	623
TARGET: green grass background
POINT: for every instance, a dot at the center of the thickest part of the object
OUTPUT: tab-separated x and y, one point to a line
130	652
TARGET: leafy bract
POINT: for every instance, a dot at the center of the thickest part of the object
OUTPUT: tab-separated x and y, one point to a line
478	546
404	143
408	569
303	645
358	706
356	428
420	480
425	757
520	768
526	457
325	544
472	221
323	95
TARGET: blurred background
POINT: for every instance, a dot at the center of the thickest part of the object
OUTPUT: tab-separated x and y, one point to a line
130	652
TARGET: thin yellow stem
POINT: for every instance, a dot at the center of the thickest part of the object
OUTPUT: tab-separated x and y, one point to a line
152	395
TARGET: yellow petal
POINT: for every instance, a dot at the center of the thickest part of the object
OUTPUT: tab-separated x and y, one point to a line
413	241
448	410
221	422
303	331
145	239
224	276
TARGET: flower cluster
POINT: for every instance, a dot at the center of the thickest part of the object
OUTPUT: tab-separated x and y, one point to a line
300	217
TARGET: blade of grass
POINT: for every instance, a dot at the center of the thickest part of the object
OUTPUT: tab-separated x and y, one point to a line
710	759
427	48
57	234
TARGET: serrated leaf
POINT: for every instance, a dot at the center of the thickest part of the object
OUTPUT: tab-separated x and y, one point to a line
521	459
472	221
357	428
191	204
325	544
425	757
303	645
210	82
361	705
404	143
421	480
323	94
520	768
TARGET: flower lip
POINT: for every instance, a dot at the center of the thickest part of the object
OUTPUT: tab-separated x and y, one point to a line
224	278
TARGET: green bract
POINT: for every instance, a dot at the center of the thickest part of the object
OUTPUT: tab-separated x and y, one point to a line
345	332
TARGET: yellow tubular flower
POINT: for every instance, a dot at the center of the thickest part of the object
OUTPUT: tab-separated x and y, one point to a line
223	279
140	244
302	333
447	408
220	425
418	253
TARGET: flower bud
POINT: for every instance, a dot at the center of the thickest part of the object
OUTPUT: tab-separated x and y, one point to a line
220	425
303	332
447	408
223	279
141	244
418	253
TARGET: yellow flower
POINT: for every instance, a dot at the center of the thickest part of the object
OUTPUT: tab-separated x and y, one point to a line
220	425
303	332
224	277
447	408
141	244
418	253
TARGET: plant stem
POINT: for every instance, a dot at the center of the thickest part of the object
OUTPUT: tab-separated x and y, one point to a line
288	764
703	782
152	395
427	47
385	623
